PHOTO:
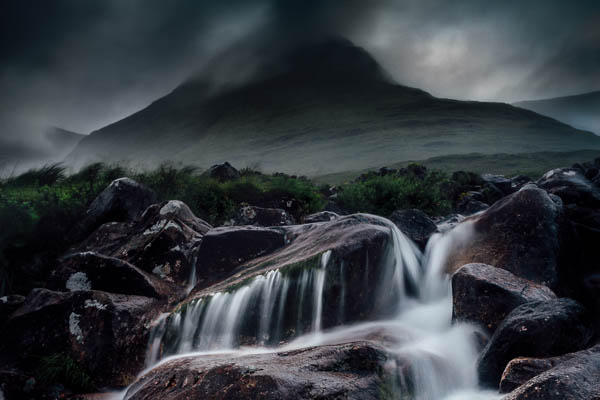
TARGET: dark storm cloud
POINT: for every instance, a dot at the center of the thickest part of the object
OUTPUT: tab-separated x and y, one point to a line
83	64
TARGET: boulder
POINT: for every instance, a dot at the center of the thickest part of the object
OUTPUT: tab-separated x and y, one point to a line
164	242
346	371
522	369
222	172
224	249
415	224
485	295
327	274
106	334
93	271
505	185
123	200
574	378
8	305
470	207
323	216
571	185
537	329
522	233
259	216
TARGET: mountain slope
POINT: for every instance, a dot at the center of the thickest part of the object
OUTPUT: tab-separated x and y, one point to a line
581	111
316	110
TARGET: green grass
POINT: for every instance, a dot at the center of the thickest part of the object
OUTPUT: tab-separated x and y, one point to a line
62	369
533	165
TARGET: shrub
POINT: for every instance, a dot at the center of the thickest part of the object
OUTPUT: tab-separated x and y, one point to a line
383	195
61	368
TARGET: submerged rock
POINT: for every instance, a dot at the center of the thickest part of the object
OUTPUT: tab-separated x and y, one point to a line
105	333
485	295
522	369
348	371
415	224
537	329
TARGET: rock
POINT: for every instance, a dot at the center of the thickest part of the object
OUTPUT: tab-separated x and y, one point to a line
485	295
123	200
572	187
519	181
223	249
537	329
522	369
223	172
323	216
575	376
465	178
469	207
164	242
415	224
8	305
351	251
259	216
93	271
346	371
505	185
521	233
105	333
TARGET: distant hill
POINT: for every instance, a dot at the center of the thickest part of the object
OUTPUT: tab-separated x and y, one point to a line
581	111
315	110
52	146
533	165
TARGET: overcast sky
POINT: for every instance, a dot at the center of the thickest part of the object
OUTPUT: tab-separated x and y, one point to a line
82	64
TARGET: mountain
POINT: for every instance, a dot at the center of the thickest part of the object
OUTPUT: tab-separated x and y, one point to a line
319	109
581	111
53	145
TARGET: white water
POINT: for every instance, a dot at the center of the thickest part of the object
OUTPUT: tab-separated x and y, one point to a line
441	356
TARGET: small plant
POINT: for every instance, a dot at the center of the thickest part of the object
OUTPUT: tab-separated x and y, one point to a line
62	368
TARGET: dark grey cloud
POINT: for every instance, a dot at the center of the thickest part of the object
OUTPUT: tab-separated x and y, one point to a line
81	64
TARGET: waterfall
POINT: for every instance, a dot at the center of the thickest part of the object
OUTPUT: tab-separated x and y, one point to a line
283	309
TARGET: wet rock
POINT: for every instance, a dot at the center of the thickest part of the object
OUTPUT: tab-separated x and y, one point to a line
164	242
222	172
571	185
323	216
485	295
348	371
93	271
537	329
105	333
355	285
522	369
415	224
574	378
224	249
519	181
259	216
521	233
123	200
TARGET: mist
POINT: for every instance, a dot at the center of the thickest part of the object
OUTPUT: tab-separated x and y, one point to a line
83	65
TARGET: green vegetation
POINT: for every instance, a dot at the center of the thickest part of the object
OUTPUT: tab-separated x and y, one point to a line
39	208
62	369
533	165
382	195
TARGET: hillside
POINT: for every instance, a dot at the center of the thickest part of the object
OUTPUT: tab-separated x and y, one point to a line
581	111
316	110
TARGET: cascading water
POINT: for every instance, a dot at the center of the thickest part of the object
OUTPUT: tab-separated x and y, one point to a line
281	305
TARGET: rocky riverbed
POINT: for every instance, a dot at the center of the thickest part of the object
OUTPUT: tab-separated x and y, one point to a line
500	300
